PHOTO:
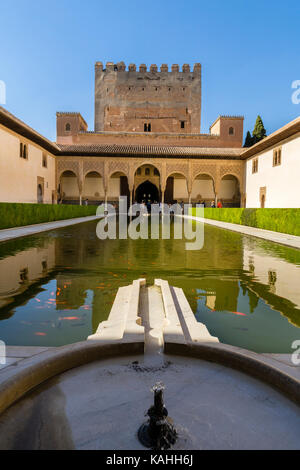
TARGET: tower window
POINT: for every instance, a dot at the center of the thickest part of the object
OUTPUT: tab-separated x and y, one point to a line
147	127
147	171
182	124
231	131
68	127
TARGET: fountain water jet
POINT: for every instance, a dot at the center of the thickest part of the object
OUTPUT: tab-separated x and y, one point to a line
158	432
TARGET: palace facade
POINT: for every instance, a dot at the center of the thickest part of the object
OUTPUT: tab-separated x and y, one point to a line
147	144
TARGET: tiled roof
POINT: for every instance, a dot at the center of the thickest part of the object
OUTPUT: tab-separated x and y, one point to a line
290	129
150	150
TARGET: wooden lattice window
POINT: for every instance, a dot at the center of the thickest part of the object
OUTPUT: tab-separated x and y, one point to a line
23	151
44	160
277	157
255	165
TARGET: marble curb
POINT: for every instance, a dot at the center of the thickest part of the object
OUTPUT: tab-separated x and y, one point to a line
27	230
292	241
18	379
242	360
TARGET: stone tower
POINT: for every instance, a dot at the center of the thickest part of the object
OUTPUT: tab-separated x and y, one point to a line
147	100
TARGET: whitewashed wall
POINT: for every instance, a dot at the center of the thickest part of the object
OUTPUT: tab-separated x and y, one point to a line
282	182
18	176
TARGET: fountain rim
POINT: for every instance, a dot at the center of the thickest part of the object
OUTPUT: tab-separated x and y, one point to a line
18	380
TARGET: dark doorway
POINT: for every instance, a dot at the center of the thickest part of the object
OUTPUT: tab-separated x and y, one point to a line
40	194
147	192
169	190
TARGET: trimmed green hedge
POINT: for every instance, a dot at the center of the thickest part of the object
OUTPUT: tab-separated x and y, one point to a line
278	220
18	214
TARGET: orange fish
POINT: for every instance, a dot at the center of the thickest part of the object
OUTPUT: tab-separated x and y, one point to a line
38	333
69	318
239	313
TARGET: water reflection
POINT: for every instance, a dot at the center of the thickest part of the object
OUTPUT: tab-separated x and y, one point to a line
56	287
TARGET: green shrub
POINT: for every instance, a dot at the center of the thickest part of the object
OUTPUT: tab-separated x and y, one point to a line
277	220
18	214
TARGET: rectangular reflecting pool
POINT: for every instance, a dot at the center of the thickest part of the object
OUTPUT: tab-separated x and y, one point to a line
57	286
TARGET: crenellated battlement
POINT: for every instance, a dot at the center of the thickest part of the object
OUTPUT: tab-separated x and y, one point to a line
149	98
142	68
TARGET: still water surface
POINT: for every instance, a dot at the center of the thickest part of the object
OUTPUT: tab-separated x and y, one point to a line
57	286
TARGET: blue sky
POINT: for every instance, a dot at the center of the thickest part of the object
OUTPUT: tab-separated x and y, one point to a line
249	51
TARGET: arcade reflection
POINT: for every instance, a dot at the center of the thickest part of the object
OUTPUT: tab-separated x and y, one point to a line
56	287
